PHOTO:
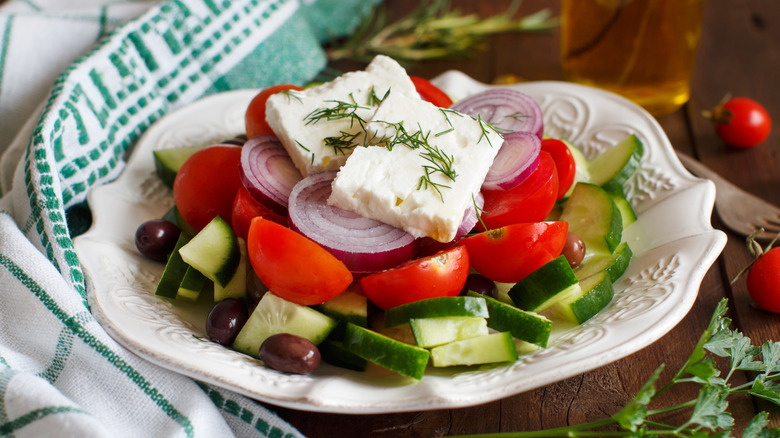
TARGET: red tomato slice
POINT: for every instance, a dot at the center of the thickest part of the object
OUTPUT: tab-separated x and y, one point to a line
206	184
431	93
530	201
246	208
254	119
564	163
438	275
293	266
510	253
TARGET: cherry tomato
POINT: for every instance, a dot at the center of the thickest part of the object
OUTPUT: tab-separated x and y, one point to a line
565	165
438	275
763	280
431	93
741	122
292	266
530	201
510	253
246	208
206	184
254	119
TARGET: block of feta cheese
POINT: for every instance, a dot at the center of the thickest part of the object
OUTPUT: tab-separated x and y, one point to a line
389	182
313	124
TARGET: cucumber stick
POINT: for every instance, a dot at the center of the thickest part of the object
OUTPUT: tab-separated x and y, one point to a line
526	326
593	215
405	359
192	284
214	251
492	348
595	294
431	332
349	306
274	315
175	269
545	286
436	307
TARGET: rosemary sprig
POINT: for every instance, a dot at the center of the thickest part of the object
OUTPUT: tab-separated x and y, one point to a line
709	416
433	31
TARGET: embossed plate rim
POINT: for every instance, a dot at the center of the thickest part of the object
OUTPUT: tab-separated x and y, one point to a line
668	266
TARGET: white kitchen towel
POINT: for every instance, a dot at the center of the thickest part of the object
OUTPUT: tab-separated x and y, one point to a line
80	81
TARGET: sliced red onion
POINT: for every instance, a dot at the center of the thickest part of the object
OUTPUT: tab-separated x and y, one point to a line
364	245
268	172
517	158
507	109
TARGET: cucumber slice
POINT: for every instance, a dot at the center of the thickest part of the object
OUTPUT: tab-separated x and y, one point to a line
581	172
405	359
191	285
434	308
274	315
595	293
236	287
593	216
431	332
167	162
175	269
335	353
615	264
526	326
627	213
214	251
349	306
545	286
492	348
615	166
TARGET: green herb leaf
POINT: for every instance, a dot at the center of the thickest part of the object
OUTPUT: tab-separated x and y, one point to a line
634	413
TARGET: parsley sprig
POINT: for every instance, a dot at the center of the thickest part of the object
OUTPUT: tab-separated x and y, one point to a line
709	416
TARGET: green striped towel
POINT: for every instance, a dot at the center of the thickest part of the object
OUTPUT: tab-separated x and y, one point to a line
135	61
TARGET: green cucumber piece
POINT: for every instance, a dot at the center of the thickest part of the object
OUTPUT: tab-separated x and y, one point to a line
167	162
615	264
545	286
274	315
492	348
614	166
581	171
236	287
627	213
175	269
405	359
431	332
191	285
595	294
214	251
530	327
592	215
349	306
434	308
335	353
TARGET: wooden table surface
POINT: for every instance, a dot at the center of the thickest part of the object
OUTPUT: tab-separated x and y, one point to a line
739	53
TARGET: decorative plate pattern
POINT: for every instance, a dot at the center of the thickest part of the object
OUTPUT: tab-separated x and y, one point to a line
672	240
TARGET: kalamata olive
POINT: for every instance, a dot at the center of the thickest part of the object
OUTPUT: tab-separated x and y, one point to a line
156	238
290	354
225	320
481	285
574	250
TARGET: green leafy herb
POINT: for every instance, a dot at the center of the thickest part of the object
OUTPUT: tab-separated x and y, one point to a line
709	416
433	31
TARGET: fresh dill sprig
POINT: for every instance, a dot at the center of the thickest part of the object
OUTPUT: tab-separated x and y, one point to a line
486	128
433	31
709	416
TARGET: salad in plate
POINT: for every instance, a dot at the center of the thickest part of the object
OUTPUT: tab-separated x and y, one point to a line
372	221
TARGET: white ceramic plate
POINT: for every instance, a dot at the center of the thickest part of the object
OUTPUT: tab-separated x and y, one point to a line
673	243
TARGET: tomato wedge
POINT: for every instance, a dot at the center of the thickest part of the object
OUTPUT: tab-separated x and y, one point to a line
292	266
530	201
438	275
510	253
565	165
246	208
254	118
206	184
431	93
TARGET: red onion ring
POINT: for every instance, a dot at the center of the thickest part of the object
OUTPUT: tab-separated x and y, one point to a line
268	172
364	245
506	109
517	158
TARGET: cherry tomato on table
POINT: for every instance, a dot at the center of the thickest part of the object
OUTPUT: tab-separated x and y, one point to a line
763	280
438	275
508	254
431	93
293	266
254	118
741	122
206	184
565	165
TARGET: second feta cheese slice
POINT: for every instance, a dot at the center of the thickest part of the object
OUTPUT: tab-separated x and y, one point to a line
424	167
